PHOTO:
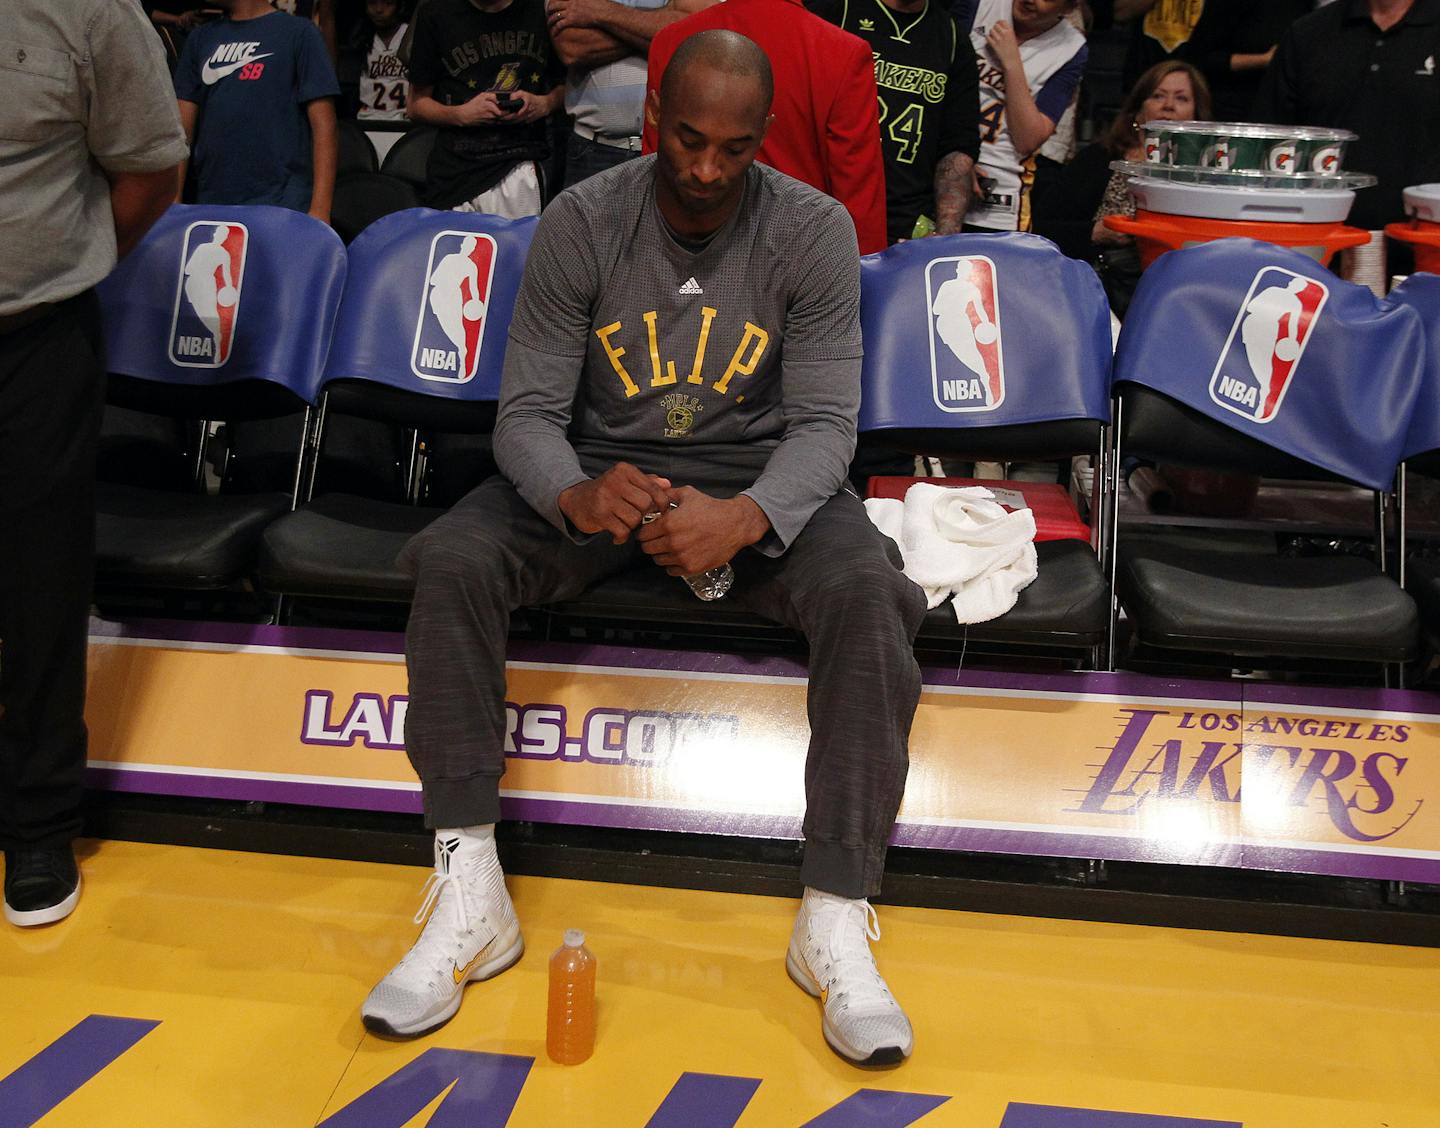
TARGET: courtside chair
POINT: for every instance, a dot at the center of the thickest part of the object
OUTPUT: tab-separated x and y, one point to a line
996	347
1420	575
409	158
1243	356
363	197
221	313
354	151
415	278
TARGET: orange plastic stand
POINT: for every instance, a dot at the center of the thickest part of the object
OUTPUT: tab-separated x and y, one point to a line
1156	233
1424	237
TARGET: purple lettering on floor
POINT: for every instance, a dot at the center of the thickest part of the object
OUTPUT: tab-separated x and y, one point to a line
704	1100
486	1087
66	1064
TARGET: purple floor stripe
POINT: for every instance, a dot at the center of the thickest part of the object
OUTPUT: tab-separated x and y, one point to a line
66	1064
1054	1116
877	1108
486	1089
704	1100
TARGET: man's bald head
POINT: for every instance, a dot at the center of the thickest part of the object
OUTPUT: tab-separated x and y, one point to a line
723	52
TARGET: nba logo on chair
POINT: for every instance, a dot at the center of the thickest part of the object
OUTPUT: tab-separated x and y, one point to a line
1266	342
207	294
967	358
455	296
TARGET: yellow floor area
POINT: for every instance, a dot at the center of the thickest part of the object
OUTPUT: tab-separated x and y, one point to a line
254	968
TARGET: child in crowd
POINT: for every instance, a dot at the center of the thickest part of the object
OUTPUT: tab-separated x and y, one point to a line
383	79
256	92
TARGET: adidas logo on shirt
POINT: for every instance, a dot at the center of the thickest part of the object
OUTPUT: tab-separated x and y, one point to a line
691	287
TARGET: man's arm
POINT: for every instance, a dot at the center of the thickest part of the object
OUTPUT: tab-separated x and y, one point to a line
634	27
855	164
189	115
137	200
959	136
587	33
820	380
954	179
324	147
132	127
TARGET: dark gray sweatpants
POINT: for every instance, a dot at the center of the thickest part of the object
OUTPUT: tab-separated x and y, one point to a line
839	583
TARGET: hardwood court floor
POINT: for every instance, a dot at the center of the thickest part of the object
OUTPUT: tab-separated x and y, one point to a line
232	984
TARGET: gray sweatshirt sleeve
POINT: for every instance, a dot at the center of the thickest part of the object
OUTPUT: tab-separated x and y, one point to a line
544	359
820	380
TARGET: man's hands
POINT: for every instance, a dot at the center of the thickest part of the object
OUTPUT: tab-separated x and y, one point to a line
703	532
615	502
565	14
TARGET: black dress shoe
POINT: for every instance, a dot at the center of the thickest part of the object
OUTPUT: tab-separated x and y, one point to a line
42	885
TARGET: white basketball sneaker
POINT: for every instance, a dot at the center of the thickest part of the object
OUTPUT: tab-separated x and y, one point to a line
830	958
471	934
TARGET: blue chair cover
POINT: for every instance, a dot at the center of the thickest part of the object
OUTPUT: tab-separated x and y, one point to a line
1268	342
981	331
1421	292
428	302
218	294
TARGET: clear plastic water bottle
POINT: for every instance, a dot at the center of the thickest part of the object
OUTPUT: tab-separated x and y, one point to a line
708	585
570	1016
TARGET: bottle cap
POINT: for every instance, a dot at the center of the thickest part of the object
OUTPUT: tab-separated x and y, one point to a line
574	938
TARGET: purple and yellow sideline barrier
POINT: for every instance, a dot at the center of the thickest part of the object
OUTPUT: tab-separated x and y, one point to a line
1107	766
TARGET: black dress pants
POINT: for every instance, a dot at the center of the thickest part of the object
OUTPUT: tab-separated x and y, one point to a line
839	583
52	380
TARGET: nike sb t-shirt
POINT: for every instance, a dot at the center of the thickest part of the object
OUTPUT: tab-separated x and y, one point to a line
251	80
627	343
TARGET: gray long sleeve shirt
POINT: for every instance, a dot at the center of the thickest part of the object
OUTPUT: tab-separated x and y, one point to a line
625	341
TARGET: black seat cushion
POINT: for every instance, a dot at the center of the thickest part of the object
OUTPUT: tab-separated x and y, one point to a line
1067	605
340	546
645	596
1187	598
159	539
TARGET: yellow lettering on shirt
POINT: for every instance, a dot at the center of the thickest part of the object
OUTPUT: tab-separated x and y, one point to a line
707	315
614	352
738	367
656	379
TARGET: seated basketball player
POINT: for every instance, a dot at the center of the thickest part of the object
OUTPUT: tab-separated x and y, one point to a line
687	332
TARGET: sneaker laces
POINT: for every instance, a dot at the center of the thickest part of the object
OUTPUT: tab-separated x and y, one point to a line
443	877
434	952
851	961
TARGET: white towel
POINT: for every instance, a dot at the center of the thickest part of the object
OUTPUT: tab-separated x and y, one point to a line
961	542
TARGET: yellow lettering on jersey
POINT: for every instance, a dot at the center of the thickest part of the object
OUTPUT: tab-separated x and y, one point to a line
707	315
656	379
615	353
738	367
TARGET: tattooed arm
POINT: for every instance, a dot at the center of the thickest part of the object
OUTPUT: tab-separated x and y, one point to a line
953	182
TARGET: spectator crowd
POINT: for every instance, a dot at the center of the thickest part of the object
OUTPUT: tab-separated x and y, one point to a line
921	118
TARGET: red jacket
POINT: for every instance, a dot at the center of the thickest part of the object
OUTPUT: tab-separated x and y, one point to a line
826	130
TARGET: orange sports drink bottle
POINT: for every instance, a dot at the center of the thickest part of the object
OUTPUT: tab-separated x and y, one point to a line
570	1023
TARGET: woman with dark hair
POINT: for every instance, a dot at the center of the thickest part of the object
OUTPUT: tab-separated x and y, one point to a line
1070	205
